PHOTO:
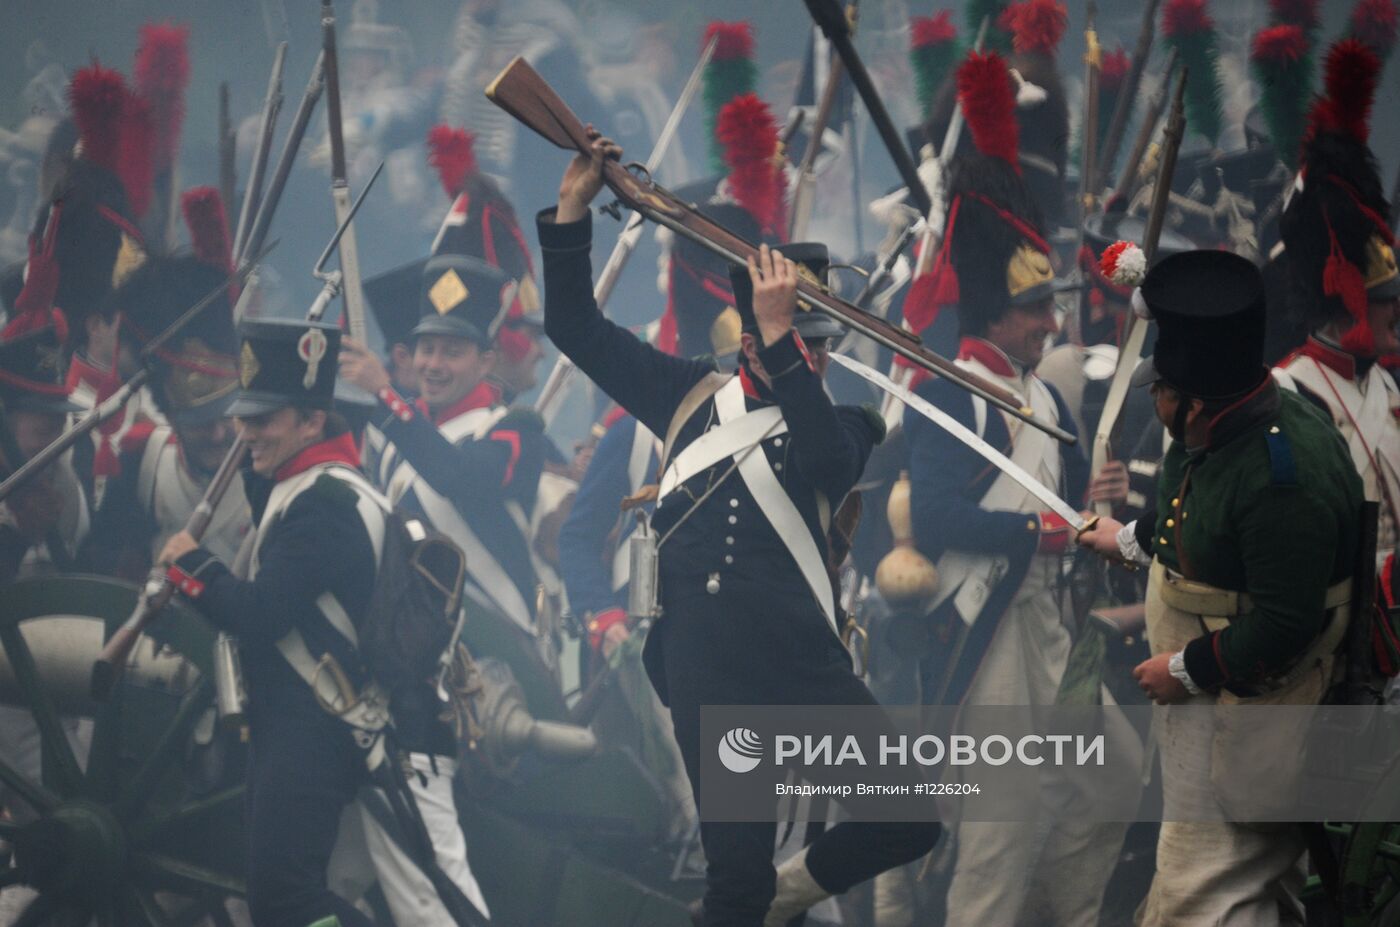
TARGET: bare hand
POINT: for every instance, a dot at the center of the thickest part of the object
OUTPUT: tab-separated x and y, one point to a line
774	293
1102	538
614	637
360	367
1157	682
1110	484
180	543
583	178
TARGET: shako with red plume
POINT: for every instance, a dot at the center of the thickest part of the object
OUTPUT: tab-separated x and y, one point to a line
748	133
993	255
480	223
85	240
1338	243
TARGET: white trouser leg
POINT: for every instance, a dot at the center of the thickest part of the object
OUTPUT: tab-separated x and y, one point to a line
410	894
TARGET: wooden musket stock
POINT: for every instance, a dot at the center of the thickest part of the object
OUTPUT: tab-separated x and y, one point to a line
520	91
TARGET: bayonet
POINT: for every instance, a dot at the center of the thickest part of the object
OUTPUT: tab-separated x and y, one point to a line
272	106
340	186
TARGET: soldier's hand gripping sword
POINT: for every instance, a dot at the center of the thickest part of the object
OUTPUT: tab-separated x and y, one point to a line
520	91
967	436
552	394
158	590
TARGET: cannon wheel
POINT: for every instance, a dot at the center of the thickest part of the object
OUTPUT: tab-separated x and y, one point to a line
122	840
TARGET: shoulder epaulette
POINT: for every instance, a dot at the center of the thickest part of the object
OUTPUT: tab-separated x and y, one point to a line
1283	470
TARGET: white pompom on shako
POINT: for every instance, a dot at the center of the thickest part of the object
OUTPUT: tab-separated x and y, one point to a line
1124	263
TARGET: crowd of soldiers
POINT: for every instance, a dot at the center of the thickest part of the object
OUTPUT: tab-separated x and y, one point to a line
1240	443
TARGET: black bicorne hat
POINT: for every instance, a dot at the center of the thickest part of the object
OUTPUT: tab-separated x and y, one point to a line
282	362
1209	309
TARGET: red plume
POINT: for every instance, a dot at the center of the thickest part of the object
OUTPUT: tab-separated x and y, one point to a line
989	106
749	133
203	209
1351	75
97	96
1376	22
451	152
1286	44
735	40
1302	13
1185	17
1115	67
162	73
1037	26
136	165
933	30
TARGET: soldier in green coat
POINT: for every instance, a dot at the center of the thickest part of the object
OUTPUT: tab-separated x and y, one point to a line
1251	550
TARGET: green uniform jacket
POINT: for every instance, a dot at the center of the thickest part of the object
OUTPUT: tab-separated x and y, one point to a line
1271	507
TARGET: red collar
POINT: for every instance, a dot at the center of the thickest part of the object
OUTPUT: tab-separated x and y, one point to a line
333	450
82	371
1338	360
988	355
484	395
750	386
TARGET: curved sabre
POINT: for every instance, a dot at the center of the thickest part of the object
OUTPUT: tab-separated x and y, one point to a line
969	437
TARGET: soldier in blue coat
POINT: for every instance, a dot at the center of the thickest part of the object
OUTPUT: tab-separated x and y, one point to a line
748	616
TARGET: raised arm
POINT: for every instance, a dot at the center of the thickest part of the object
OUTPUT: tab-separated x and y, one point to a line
646	382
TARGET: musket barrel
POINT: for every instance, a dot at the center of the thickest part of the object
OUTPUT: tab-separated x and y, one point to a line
252	194
828	15
1127	96
520	91
295	132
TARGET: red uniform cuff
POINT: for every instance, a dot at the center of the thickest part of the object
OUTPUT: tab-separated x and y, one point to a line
186	584
1055	534
400	407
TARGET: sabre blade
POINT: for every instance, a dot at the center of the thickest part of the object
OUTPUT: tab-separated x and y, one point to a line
967	436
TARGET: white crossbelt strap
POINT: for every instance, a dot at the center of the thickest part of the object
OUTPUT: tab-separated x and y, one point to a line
744	430
970	578
371	711
773	500
483	568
